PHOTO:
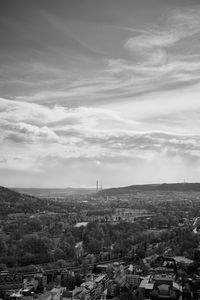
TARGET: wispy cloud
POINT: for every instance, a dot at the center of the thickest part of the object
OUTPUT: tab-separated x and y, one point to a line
153	59
159	60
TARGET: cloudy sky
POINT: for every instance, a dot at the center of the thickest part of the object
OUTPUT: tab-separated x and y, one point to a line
106	90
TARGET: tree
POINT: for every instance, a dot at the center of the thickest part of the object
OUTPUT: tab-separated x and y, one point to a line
78	279
3	294
3	248
3	267
58	254
94	246
68	281
61	263
35	245
140	252
66	244
26	259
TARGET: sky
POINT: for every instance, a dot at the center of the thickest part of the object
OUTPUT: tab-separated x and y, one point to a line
106	90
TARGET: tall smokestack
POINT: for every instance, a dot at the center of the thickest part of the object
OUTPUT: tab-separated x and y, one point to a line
97	186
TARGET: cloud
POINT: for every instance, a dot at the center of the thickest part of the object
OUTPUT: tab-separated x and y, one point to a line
23	132
162	58
31	132
177	25
26	128
90	101
183	22
59	143
149	41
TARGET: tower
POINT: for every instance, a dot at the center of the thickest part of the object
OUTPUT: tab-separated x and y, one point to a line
97	186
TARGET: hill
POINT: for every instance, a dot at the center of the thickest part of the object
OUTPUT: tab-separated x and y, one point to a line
153	187
14	202
53	192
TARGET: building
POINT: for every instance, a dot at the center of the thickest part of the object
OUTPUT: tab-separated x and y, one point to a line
161	284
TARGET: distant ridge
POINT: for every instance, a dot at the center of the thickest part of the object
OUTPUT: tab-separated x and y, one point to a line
153	187
54	192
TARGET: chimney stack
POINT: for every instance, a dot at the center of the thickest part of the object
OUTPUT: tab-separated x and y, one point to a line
97	186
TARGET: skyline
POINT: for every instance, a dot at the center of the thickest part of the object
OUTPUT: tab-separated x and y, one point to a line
99	89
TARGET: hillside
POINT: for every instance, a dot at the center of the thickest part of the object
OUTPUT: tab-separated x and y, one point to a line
195	187
53	192
14	202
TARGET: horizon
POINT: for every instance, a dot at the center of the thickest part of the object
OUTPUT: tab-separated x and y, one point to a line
99	89
103	188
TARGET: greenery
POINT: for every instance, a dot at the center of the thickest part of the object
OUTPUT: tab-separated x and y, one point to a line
42	231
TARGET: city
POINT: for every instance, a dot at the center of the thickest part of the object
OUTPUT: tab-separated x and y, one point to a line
99	149
107	244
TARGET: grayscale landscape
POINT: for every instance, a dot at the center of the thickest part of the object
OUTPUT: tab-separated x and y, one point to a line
99	149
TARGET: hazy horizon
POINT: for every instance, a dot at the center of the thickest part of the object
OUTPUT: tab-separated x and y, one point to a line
105	90
94	186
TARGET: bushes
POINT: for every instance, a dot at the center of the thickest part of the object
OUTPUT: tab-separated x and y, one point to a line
9	261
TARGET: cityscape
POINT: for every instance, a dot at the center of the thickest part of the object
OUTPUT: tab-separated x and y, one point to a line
99	150
135	242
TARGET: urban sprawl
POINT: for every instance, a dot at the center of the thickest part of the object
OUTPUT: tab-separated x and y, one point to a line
110	244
